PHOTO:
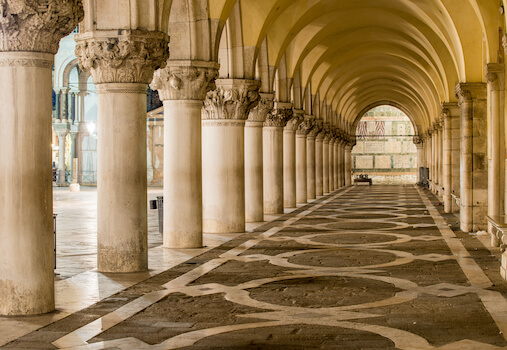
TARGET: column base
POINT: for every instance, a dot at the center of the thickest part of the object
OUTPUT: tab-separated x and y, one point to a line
75	188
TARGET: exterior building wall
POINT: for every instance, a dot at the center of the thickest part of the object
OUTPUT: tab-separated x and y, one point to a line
385	150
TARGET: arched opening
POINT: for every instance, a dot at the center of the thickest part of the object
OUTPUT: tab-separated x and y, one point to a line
385	150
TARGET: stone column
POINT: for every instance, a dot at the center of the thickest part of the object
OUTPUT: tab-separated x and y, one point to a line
496	84
447	181
341	168
273	133
122	63
62	131
65	104
73	137
223	153
301	161
332	173
348	164
454	111
254	189
474	179
325	162
441	155
30	33
182	86
311	168
319	167
289	162
336	159
57	116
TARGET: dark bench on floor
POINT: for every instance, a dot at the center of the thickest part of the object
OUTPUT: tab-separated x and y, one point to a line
362	181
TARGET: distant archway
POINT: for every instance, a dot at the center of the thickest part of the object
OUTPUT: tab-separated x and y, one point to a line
385	150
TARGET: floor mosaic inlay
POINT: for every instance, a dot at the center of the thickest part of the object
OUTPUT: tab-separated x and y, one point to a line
365	268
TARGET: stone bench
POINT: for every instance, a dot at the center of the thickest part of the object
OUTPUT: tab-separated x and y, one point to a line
363	181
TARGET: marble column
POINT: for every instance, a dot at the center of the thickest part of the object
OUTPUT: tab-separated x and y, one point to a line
496	87
301	161
336	159
122	64
348	164
447	180
289	162
440	156
65	104
273	157
58	101
325	161
454	111
254	188
332	173
223	154
62	137
29	42
319	157
341	169
182	86
474	177
311	169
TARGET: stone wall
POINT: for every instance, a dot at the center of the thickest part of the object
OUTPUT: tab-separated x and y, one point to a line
384	149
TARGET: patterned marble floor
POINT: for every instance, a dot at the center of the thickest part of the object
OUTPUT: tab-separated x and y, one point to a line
377	267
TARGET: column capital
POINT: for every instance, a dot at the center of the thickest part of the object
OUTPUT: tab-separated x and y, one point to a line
185	80
494	74
61	129
280	115
37	26
467	92
293	123
263	109
305	126
232	99
122	56
317	128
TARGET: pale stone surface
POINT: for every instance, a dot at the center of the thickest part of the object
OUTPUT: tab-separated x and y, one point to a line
273	169
382	162
364	162
254	202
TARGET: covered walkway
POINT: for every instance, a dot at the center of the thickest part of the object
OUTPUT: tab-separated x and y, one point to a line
378	267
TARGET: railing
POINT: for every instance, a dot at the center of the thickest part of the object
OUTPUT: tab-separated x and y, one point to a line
87	177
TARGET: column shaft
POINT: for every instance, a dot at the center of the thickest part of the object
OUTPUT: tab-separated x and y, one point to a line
331	166
348	165
26	223
122	178
182	174
310	169
319	174
289	168
223	166
325	165
273	169
447	183
301	169
254	201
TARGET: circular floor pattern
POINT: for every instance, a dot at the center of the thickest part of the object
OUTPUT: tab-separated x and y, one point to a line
359	225
355	238
342	258
370	216
323	292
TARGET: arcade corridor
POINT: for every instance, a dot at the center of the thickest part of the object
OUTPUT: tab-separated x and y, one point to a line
378	267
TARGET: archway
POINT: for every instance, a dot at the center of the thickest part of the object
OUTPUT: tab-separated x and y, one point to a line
385	150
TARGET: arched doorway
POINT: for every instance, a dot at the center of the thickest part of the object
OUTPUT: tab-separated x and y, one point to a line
385	150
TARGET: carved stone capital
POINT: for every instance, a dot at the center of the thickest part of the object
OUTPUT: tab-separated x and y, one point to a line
232	99
263	109
190	80
293	123
279	116
494	74
466	92
305	126
316	130
417	140
126	56
37	25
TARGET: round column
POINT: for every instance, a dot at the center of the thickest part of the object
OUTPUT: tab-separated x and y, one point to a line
332	173
223	154
223	184
339	165
447	179
254	188
121	69
301	166
289	163
254	203
182	149
325	164
26	222
273	160
348	165
319	173
61	131
311	174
